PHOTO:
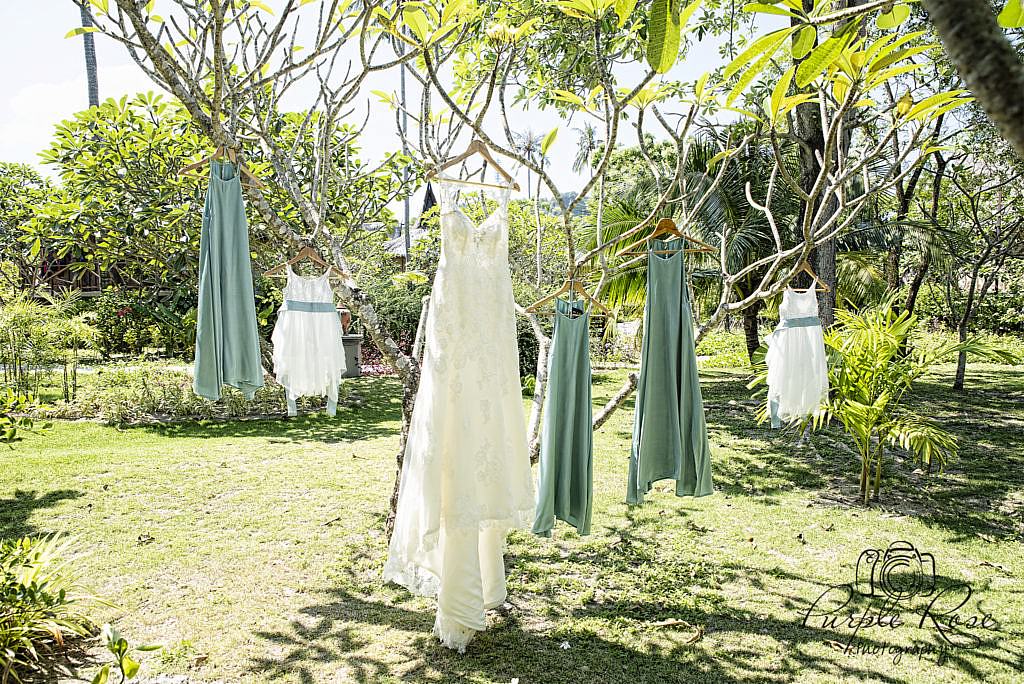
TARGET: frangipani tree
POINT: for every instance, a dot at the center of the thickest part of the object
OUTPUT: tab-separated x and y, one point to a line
232	65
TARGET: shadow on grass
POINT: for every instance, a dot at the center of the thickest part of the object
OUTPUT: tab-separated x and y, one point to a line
355	632
15	511
979	492
372	410
975	495
608	641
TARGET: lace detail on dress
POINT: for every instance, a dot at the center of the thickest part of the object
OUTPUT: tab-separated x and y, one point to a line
466	477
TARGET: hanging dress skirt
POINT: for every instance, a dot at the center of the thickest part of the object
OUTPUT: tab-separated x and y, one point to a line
565	483
466	478
309	351
670	439
797	368
227	339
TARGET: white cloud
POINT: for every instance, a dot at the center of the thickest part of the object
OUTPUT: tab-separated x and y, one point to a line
31	113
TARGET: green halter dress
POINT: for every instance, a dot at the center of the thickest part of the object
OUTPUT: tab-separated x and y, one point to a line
565	484
227	340
670	439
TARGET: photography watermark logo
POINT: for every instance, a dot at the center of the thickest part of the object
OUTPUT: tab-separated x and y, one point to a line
899	589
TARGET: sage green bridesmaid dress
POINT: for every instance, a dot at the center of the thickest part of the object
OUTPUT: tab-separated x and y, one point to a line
227	339
565	484
670	439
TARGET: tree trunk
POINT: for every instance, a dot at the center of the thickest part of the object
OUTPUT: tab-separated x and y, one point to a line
540	232
894	258
540	386
961	328
985	59
918	280
750	328
961	359
90	56
812	145
825	266
926	255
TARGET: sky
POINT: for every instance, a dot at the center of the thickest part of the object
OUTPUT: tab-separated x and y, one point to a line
44	82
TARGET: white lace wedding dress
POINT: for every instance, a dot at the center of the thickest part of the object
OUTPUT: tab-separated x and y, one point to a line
466	477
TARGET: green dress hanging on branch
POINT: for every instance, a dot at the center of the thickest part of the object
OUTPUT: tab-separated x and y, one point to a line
670	439
564	487
227	339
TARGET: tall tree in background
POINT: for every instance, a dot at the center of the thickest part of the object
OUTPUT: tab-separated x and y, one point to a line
90	56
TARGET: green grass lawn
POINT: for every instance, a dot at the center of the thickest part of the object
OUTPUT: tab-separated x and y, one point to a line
252	550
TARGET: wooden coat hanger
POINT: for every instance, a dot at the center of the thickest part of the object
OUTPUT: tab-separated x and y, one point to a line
806	268
476	146
217	154
306	252
570	286
667	226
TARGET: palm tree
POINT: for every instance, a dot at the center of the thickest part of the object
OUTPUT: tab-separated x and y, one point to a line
747	232
588	144
528	144
90	55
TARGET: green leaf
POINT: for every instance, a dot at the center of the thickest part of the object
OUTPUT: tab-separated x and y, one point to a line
451	11
748	76
804	42
663	36
623	9
549	140
665	28
103	676
566	96
766	43
820	59
129	667
261	5
102	5
1012	15
416	20
79	31
711	163
34	250
779	92
893	18
764	8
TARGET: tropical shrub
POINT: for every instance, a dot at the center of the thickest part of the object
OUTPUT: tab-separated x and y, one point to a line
42	605
148	391
34	336
13	420
26	342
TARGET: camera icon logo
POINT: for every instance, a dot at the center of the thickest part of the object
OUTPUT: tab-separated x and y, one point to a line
901	572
